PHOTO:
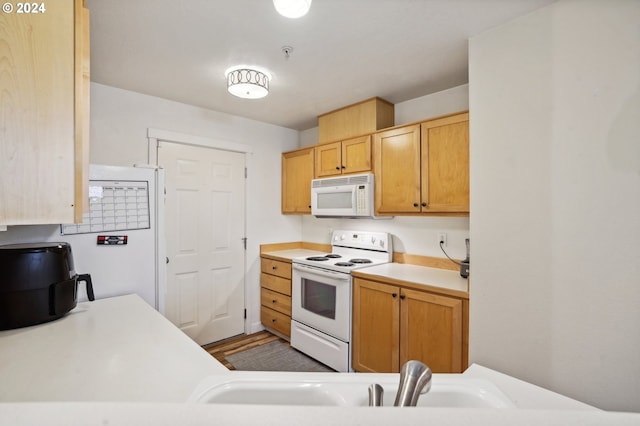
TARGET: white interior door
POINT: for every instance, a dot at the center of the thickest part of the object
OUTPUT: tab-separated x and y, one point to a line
205	223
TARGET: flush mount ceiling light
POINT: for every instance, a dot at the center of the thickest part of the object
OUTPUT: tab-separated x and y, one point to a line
292	8
247	82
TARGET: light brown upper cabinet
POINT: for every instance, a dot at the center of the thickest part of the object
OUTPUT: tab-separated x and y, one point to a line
346	157
44	116
423	168
354	120
297	172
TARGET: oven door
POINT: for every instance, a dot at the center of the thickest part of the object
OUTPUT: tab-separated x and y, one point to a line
321	299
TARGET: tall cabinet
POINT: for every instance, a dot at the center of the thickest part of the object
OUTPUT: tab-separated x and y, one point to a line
44	114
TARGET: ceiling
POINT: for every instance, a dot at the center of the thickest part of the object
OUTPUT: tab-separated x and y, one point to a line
344	51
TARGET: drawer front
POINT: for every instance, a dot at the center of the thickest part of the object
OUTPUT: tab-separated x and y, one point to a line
276	301
275	267
271	282
275	320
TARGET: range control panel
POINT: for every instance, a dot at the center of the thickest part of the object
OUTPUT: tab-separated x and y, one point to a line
379	241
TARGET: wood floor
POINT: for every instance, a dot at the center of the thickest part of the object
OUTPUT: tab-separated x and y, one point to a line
220	350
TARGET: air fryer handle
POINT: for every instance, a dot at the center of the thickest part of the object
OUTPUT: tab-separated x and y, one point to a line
87	279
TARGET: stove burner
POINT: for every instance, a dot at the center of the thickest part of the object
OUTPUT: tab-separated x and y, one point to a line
332	256
344	264
318	258
360	260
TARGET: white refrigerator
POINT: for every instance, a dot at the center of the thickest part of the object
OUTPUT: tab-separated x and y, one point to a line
119	241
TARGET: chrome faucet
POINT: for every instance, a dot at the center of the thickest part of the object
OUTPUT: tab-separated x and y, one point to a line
415	379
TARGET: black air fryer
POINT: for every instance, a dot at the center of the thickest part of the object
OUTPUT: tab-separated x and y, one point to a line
38	283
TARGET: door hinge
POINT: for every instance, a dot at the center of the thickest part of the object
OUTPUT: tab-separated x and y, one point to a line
245	313
244	242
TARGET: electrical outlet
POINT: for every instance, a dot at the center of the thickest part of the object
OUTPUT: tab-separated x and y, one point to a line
442	237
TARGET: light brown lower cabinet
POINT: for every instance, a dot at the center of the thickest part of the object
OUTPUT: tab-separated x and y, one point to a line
393	324
275	295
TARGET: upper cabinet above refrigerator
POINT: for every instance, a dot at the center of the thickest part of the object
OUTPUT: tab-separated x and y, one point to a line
44	114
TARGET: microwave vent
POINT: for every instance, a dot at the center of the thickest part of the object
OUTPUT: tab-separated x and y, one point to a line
345	180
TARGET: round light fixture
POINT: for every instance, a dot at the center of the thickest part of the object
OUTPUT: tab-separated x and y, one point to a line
292	8
247	82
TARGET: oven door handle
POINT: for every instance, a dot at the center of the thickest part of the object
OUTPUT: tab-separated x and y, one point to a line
322	272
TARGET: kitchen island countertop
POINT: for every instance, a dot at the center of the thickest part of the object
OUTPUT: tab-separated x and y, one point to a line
117	361
115	349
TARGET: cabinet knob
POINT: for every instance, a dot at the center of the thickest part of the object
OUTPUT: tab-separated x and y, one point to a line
402	296
415	204
273	301
274	267
394	295
273	320
343	167
337	167
423	204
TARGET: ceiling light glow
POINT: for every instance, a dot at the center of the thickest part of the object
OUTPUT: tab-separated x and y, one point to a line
292	8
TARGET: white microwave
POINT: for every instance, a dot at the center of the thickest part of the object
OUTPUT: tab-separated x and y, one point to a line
345	196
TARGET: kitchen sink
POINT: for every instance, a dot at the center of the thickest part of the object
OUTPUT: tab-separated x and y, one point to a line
341	389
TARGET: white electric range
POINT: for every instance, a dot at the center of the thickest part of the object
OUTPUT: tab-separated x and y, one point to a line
321	294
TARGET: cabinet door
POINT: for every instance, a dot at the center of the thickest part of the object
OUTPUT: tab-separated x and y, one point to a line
445	164
82	108
328	159
431	330
397	170
356	155
37	116
297	172
375	327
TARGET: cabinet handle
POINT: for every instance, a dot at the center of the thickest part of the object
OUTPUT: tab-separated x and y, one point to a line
424	204
337	167
274	267
273	301
394	295
343	167
415	204
402	296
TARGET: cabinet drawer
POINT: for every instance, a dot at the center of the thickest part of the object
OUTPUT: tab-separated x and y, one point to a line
275	267
271	282
275	320
275	301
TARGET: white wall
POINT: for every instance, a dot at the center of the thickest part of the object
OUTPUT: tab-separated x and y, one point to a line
414	235
119	123
555	200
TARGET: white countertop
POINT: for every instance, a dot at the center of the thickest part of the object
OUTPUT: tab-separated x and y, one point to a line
422	275
293	253
119	362
100	414
116	349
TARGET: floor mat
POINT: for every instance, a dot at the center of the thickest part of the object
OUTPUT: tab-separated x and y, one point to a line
275	356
